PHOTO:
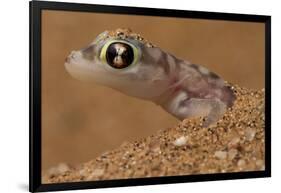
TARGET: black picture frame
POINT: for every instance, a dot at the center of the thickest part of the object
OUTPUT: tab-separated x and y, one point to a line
35	9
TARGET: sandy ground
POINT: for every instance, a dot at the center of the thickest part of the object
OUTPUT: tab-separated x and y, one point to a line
235	143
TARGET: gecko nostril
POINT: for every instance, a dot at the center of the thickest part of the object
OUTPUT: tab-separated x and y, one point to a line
72	54
70	57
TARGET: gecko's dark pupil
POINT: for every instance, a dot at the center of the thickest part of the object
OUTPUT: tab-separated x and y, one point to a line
119	55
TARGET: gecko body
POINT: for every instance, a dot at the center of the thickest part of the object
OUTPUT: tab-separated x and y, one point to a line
125	61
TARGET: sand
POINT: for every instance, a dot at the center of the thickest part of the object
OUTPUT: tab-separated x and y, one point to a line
235	143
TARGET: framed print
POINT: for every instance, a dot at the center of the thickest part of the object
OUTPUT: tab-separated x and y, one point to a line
125	96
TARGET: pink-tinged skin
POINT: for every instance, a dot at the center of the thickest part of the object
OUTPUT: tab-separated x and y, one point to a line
183	89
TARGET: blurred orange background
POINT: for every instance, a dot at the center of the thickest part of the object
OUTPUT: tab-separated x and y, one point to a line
80	120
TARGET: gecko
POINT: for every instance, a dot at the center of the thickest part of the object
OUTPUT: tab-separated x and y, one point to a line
125	61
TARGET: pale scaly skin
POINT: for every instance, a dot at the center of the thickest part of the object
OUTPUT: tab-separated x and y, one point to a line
181	88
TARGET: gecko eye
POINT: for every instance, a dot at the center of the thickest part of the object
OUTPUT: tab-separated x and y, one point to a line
119	54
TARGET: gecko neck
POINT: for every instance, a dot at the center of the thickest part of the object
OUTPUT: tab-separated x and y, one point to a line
168	94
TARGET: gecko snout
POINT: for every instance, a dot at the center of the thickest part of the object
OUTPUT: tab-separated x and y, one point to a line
72	56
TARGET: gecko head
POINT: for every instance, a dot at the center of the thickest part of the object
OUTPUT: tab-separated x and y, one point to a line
115	59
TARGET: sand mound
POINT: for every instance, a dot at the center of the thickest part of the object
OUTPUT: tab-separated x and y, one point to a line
235	143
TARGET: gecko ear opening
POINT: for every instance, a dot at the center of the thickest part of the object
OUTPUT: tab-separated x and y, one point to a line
119	54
